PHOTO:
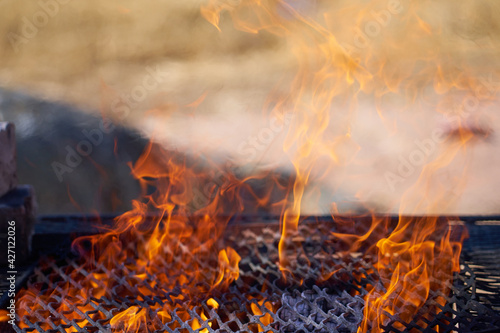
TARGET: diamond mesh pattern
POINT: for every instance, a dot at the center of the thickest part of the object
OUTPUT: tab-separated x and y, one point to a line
260	300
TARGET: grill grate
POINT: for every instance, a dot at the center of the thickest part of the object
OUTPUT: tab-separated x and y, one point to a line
260	300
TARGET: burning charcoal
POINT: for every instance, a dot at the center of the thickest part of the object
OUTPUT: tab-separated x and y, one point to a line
19	206
8	175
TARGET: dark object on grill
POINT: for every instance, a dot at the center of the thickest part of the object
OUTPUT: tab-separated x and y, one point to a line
18	205
8	174
260	300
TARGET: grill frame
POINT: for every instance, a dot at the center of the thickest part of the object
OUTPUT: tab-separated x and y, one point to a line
63	226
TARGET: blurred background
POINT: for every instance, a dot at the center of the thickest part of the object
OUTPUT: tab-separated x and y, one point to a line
159	70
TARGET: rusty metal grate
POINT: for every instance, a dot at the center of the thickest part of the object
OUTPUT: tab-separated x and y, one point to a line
260	300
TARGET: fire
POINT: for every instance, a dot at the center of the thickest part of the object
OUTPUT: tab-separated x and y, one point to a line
168	233
228	266
162	243
4	316
196	324
345	55
129	320
266	318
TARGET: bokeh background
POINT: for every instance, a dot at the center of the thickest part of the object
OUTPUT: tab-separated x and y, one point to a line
60	76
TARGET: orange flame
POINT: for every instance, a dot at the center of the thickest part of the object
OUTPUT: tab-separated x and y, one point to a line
4	316
130	320
264	318
337	72
345	55
168	245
